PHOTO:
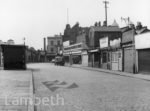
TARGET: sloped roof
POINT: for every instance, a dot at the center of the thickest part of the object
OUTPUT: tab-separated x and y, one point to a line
124	29
106	29
144	29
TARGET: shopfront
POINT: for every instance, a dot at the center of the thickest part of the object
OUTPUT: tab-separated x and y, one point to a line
75	53
116	60
66	56
94	58
76	57
104	52
116	54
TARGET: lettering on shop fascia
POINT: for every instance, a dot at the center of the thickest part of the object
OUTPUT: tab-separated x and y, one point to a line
103	42
115	43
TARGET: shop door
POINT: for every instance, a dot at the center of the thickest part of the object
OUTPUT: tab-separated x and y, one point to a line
115	65
85	60
144	61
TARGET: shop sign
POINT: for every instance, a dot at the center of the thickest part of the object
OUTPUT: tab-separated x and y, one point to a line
66	43
103	42
84	53
115	43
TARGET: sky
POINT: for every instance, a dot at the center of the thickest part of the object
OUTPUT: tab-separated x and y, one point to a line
36	19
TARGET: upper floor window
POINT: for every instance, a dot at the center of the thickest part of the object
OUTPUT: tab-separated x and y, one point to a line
52	42
58	42
52	50
104	57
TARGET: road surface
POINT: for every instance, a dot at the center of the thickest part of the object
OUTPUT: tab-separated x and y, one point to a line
84	90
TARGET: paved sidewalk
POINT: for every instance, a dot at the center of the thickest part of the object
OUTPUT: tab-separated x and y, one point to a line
139	76
1	68
14	87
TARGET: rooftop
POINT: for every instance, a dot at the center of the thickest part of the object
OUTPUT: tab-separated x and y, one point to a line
54	37
106	29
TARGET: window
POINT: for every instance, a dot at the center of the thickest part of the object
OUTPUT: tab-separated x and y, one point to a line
109	57
96	57
52	43
58	42
119	55
114	57
52	50
104	57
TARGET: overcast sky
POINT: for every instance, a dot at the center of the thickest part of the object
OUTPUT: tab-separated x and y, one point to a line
36	19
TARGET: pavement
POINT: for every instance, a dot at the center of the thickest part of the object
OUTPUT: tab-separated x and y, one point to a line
139	75
1	68
15	90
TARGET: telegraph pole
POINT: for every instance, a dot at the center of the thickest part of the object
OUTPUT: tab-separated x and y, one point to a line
106	2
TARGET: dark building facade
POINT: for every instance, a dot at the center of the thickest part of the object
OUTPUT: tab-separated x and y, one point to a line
83	36
99	45
71	33
66	35
14	56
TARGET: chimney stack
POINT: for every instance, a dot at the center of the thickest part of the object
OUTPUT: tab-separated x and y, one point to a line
104	23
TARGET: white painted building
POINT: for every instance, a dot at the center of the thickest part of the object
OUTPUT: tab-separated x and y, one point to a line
142	45
54	46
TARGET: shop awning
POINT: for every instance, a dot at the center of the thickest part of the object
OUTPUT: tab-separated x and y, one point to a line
66	53
95	50
76	52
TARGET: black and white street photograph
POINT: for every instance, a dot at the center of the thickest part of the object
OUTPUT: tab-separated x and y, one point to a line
74	55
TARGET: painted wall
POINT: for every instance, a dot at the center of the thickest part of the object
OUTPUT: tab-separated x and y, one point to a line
142	41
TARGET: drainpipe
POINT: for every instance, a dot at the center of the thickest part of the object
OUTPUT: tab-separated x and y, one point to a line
134	55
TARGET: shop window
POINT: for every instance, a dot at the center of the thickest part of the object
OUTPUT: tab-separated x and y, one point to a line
90	57
114	57
52	50
96	57
58	42
76	59
119	55
108	57
104	57
52	43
